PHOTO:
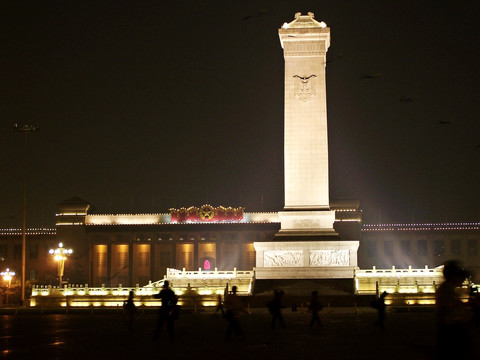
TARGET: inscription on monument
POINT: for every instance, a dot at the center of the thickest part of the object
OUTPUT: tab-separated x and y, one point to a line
282	258
305	224
329	258
304	48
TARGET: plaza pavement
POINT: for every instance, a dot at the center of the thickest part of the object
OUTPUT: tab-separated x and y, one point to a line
347	333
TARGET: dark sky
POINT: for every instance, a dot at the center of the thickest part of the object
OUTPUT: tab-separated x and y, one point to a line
147	105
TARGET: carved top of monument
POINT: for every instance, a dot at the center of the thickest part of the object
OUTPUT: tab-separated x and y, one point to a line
304	29
304	21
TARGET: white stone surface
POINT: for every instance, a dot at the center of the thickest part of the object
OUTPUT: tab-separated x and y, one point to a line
305	42
310	221
329	258
283	258
335	253
338	272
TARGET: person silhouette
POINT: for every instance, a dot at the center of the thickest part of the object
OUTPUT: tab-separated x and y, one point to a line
219	307
452	315
275	308
167	311
381	307
234	307
129	310
315	306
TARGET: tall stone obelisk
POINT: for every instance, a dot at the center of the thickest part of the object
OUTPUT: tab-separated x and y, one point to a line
307	245
305	42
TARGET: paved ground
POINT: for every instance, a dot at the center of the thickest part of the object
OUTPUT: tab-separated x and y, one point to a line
346	334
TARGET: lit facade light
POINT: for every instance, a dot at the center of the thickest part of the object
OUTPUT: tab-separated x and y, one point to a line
7	276
60	255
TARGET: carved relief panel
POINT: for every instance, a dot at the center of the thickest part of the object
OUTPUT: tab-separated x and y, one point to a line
329	258
283	258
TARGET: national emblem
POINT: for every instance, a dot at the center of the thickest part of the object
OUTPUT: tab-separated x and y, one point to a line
207	212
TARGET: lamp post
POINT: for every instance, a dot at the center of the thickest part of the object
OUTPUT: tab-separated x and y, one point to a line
7	276
25	129
60	255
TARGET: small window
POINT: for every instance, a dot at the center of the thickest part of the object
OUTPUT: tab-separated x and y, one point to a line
439	248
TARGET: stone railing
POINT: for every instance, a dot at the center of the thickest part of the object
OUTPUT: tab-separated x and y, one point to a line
85	290
394	280
187	285
394	272
215	274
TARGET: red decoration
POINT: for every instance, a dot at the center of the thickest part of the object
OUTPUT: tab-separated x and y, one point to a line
206	265
206	213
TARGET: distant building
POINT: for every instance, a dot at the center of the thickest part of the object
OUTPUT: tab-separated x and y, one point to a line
401	245
135	248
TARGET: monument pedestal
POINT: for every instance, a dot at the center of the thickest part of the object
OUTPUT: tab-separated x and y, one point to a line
306	259
306	225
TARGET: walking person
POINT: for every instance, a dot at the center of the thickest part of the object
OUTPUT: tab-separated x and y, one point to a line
234	307
219	306
315	306
380	306
129	310
275	308
452	315
168	311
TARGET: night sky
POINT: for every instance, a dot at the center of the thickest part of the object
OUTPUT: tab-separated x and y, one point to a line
147	105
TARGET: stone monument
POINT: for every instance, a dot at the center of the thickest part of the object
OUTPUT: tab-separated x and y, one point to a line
307	246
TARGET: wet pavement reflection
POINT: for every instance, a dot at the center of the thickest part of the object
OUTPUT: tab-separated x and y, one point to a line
345	334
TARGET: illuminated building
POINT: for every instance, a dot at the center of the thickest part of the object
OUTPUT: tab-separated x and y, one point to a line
382	246
417	245
132	249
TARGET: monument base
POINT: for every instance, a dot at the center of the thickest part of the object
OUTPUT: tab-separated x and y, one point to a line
328	259
340	288
331	272
318	235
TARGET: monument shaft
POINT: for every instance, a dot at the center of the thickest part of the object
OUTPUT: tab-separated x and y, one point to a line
305	42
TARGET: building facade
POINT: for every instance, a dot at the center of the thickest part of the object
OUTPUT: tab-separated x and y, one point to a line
417	245
124	249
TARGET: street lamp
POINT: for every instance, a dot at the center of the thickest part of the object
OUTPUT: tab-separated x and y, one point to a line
25	129
60	255
7	276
